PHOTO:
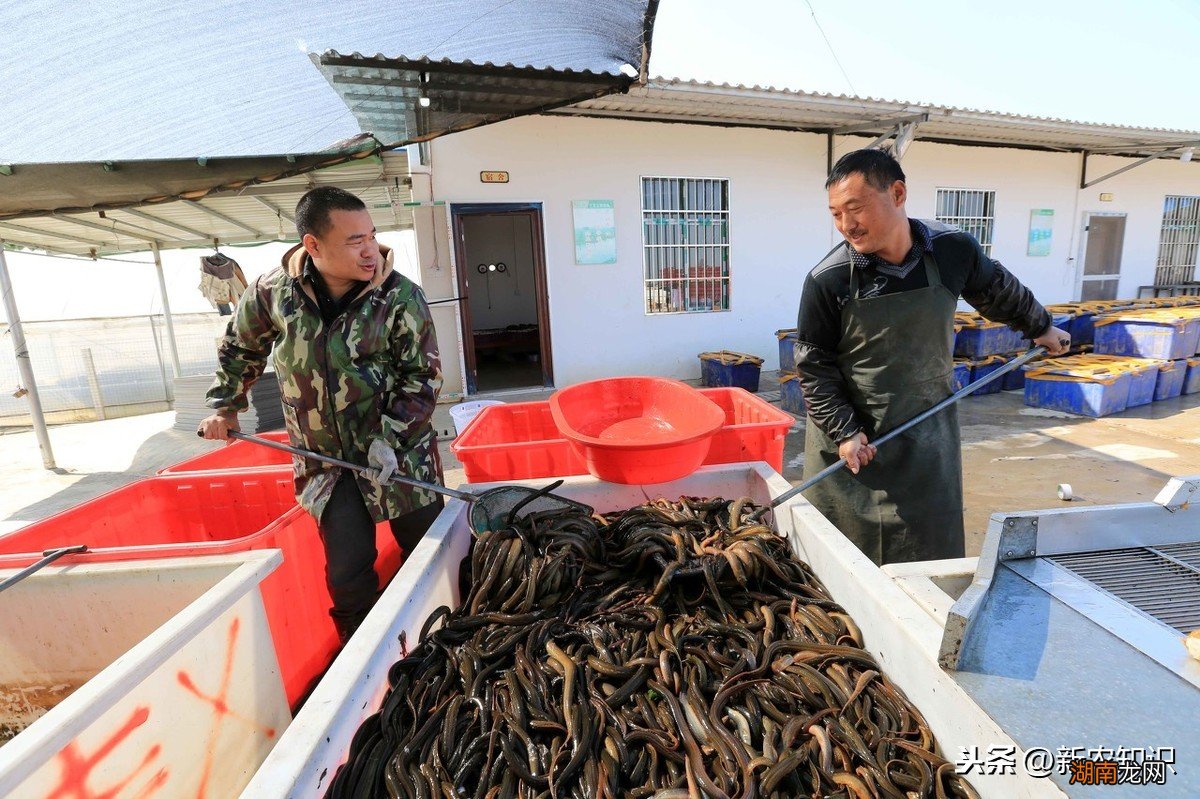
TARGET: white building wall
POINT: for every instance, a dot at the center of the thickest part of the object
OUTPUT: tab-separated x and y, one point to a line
1138	193
1023	180
779	223
597	313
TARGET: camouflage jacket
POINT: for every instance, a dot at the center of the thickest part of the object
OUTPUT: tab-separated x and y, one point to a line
372	373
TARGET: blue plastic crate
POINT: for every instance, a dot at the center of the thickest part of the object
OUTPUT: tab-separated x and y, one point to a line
982	368
787	349
1164	337
1077	391
1083	328
1170	380
1191	381
982	340
962	375
730	369
1142	383
791	398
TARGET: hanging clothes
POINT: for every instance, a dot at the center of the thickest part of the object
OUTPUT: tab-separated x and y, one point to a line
221	280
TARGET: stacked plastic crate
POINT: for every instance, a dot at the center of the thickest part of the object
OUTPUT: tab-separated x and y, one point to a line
791	399
982	346
1141	355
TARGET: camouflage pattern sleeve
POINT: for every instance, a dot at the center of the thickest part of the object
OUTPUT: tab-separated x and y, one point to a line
242	354
418	375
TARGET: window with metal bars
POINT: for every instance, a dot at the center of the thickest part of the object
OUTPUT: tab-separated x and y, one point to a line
1179	240
685	244
971	210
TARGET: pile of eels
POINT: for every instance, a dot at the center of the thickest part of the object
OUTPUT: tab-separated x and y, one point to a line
675	650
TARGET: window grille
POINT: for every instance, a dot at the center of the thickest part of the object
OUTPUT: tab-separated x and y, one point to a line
685	244
1179	240
971	210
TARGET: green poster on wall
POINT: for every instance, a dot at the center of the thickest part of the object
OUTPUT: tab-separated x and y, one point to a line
1041	230
595	231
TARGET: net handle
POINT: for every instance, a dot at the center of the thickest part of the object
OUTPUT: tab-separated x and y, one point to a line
316	456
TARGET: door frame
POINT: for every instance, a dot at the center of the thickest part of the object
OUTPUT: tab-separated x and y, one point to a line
542	294
1081	260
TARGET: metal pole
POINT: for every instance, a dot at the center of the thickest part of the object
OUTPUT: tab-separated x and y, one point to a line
168	389
93	382
23	364
162	287
1015	363
49	556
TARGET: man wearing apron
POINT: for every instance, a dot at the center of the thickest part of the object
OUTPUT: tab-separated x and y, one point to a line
875	348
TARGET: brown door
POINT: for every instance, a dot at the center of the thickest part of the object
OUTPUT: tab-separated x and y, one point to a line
501	266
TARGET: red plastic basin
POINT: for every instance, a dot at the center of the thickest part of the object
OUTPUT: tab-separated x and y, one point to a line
215	513
238	455
636	430
519	440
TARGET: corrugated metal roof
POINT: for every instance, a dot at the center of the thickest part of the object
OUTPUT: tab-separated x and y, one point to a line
251	212
677	100
124	79
400	99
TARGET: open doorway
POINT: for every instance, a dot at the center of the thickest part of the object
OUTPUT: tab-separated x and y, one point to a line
502	276
1103	242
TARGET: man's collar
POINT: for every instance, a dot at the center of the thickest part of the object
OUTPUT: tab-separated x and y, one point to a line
922	241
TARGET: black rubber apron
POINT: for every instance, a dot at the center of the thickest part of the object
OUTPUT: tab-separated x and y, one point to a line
896	358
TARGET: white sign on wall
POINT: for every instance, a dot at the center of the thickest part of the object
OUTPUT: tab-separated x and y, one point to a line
595	231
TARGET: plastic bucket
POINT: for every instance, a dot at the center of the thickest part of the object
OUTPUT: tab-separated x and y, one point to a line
636	430
464	412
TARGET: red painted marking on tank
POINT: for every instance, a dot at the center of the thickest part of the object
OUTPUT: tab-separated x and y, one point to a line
76	768
219	701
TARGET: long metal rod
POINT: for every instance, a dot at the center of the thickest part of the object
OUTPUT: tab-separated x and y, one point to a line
23	363
51	555
316	456
1016	363
166	302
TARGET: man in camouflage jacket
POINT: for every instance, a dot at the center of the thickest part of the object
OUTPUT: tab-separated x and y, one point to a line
357	363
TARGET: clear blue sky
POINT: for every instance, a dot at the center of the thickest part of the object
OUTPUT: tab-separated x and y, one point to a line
1133	63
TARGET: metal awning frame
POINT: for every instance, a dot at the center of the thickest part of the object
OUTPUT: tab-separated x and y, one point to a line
147	226
1084	183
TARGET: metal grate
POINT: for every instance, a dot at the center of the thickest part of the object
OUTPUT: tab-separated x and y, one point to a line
1187	554
971	210
1162	582
685	244
1179	241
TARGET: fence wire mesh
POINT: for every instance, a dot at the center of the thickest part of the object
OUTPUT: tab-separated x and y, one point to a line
101	368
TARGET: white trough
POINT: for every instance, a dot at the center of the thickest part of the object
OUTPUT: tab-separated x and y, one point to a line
897	630
171	683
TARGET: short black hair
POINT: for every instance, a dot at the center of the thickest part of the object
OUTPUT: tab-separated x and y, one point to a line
877	167
312	212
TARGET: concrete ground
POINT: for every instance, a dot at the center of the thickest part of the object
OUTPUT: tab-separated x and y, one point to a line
1014	457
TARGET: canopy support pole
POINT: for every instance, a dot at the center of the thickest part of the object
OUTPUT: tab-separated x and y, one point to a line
166	304
23	363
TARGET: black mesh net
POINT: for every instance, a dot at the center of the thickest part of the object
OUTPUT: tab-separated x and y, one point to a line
498	508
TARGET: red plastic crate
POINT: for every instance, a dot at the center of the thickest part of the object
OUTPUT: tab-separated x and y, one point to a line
238	455
520	441
212	514
754	429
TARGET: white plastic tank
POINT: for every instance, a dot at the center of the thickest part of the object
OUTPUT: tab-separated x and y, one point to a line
896	630
139	678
